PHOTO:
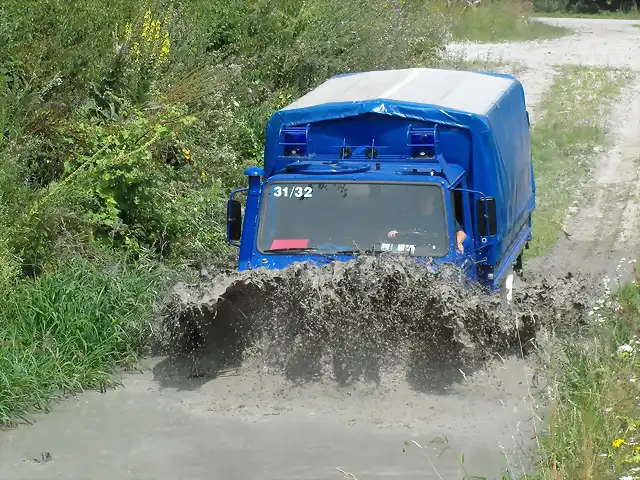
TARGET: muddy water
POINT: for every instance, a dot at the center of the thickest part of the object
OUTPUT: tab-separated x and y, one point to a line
273	406
346	322
213	432
299	373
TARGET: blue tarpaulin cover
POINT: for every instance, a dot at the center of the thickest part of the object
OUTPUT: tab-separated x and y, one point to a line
490	107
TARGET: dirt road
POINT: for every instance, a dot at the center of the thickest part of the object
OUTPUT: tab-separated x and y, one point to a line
250	423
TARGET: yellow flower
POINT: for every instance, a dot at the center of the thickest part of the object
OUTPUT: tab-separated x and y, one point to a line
616	443
165	48
151	44
146	25
135	51
187	154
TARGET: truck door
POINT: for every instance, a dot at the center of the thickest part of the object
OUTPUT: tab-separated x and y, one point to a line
462	214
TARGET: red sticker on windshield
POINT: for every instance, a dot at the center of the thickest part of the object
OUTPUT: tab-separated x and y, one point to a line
293	243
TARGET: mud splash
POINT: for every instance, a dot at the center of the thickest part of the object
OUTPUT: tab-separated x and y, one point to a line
350	321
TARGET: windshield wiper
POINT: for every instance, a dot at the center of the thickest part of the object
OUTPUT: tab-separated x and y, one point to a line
362	250
313	251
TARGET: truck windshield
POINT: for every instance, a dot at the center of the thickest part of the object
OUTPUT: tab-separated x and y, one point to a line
344	217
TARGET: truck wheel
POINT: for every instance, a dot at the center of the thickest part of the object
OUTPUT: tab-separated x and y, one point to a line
518	266
506	286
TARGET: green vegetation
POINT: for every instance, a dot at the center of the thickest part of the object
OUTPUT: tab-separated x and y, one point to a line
565	143
124	126
69	329
594	424
498	21
586	8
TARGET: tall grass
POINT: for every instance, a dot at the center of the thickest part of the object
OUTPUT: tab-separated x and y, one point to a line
69	329
498	21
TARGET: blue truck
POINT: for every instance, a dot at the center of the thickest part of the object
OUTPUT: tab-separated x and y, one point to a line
431	163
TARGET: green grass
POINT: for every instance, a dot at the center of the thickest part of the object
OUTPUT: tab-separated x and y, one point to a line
564	143
69	330
594	421
631	15
499	21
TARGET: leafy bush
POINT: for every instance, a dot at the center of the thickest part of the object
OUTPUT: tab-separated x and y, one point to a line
135	177
139	118
123	126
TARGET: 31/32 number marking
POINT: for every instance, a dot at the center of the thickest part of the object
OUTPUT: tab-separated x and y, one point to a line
291	192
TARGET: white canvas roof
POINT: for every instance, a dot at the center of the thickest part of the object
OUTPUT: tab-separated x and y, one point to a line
470	92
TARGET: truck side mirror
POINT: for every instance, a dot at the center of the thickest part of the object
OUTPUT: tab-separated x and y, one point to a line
234	220
486	216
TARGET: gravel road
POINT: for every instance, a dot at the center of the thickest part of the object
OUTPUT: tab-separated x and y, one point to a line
252	424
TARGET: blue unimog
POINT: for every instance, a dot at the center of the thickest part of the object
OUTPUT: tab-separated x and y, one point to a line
394	161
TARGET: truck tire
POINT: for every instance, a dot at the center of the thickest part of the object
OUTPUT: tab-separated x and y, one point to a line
506	286
518	266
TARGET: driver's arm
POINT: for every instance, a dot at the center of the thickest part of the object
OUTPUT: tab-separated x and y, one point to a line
460	237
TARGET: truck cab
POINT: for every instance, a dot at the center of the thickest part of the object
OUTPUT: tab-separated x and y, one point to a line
395	162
